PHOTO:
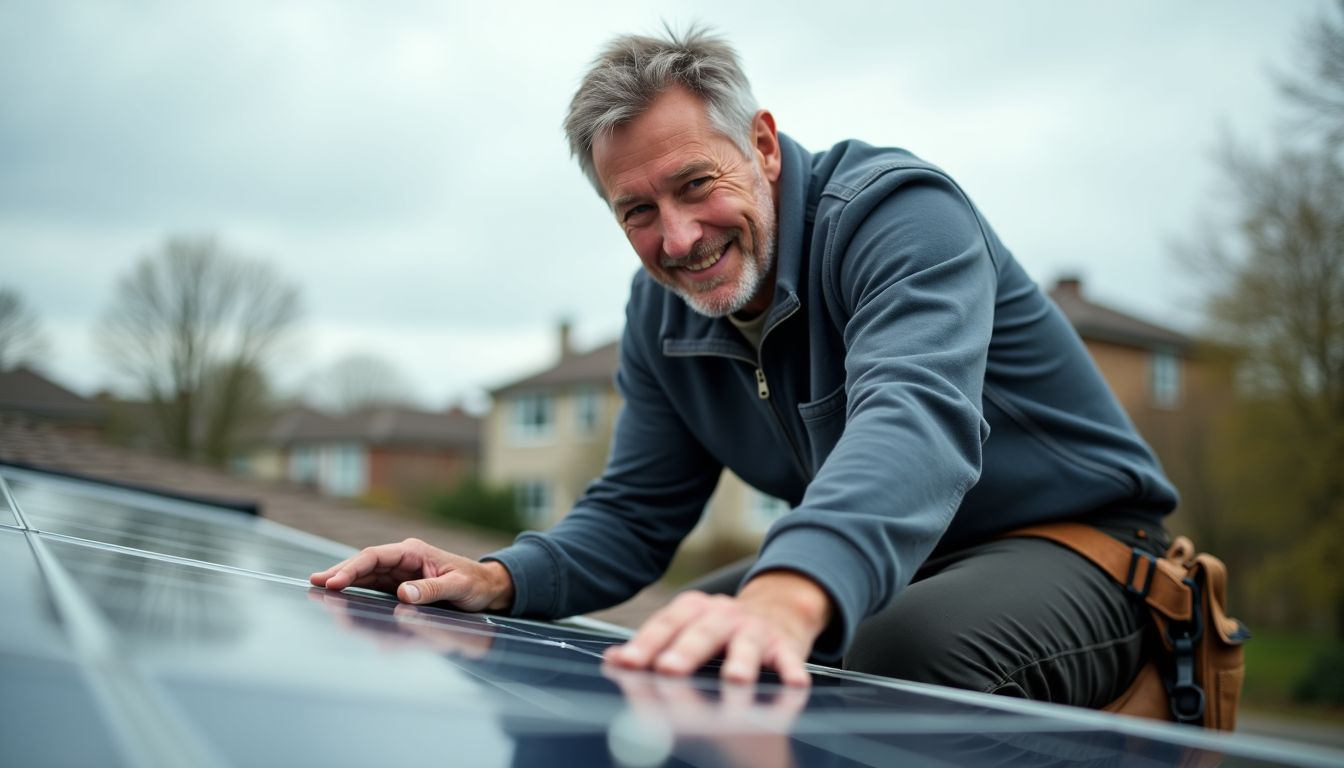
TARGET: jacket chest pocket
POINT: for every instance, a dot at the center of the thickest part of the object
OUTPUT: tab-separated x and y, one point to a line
824	420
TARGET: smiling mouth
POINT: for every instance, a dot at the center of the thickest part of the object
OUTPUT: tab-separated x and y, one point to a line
705	263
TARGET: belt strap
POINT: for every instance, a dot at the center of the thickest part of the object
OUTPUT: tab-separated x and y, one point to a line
1159	581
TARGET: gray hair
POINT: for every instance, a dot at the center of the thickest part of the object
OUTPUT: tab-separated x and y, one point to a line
633	69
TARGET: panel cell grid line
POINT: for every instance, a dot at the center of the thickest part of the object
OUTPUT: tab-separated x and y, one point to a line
134	520
9	515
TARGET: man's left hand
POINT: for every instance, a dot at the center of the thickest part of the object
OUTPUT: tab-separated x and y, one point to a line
771	623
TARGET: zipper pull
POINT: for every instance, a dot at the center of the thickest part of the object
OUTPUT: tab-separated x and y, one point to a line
762	389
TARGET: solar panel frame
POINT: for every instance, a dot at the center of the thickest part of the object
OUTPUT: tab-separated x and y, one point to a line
9	516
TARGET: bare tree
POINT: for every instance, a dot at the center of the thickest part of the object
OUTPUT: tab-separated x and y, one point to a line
1276	264
193	325
21	337
359	380
1317	92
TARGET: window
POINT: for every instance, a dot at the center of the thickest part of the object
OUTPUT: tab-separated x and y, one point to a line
764	510
587	410
303	465
343	470
1165	379
533	502
532	416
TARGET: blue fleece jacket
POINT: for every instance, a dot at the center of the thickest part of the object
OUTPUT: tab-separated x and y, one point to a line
913	389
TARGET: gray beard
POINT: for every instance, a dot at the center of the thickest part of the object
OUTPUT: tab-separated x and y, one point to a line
753	273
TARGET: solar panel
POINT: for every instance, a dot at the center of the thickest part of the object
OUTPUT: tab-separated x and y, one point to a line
150	631
159	525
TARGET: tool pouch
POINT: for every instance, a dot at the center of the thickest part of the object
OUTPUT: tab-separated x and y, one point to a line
1198	674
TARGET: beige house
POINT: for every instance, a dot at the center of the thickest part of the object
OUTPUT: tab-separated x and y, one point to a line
548	434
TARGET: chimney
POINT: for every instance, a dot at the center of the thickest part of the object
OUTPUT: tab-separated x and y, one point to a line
566	349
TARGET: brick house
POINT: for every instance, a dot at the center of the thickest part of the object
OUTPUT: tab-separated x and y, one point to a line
388	454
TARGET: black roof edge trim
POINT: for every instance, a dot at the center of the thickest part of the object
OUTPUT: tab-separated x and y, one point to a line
246	506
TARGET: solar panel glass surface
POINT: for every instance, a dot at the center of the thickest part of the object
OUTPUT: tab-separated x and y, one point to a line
163	526
165	633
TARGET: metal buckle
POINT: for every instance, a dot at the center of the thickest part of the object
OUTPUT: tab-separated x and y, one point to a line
1187	697
1135	556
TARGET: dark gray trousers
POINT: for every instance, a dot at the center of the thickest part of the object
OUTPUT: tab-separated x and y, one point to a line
1013	616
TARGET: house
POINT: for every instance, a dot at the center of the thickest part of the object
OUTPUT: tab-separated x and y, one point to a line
548	433
388	454
1145	364
24	390
1173	387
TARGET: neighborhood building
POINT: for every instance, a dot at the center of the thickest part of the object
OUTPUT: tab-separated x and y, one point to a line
385	454
1145	364
25	391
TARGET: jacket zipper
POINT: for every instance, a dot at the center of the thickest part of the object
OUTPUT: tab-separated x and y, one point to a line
763	392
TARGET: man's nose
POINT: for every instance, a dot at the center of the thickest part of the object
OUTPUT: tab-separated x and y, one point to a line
680	234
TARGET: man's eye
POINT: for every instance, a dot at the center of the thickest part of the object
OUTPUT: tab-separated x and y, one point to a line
698	183
636	210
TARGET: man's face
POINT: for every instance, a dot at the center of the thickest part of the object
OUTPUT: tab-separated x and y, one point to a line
700	215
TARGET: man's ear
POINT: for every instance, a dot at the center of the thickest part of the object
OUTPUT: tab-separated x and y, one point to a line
766	140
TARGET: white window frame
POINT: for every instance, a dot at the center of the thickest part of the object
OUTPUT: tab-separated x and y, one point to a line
303	464
1164	378
532	501
532	417
346	468
587	410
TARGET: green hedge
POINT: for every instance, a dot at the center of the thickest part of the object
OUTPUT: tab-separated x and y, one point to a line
476	503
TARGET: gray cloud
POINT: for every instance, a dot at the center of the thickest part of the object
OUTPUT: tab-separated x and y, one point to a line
405	164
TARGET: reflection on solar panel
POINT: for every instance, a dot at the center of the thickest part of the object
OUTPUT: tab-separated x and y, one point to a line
140	630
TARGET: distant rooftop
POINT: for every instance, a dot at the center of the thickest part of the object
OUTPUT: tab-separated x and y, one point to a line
24	390
378	425
596	366
28	442
1097	322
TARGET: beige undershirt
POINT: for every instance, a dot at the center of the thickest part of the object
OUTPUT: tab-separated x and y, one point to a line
751	329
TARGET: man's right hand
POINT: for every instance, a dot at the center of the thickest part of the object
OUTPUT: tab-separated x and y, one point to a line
419	573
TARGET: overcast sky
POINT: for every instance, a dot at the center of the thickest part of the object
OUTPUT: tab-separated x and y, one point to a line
403	163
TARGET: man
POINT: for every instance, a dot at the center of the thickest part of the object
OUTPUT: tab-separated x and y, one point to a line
846	332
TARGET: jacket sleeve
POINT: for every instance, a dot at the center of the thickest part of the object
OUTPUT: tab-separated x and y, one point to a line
912	280
622	534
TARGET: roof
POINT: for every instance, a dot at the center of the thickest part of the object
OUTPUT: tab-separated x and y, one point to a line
147	631
27	391
382	425
30	442
1097	322
596	366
